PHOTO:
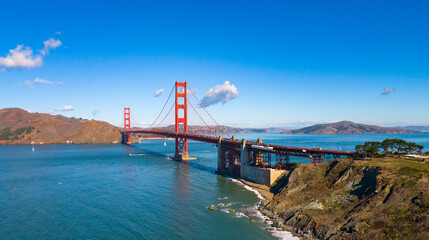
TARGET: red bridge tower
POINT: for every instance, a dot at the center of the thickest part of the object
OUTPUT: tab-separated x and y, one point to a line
127	126
181	107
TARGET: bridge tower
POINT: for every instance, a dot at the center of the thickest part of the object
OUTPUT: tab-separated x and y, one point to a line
181	119
127	126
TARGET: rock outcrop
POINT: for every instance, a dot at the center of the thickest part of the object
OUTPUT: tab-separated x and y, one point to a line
346	199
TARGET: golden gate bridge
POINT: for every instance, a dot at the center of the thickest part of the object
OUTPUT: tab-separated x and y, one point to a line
236	157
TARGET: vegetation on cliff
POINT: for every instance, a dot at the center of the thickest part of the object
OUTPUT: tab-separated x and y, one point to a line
379	198
388	147
12	135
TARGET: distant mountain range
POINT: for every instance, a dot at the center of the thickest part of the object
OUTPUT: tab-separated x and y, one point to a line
198	129
347	127
18	126
416	128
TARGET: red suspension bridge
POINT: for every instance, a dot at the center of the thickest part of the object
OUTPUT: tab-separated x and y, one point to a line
233	154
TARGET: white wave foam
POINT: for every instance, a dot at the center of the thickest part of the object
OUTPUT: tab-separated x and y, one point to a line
248	188
136	154
240	215
225	210
284	235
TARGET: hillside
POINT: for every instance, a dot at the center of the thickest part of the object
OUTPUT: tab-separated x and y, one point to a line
18	126
416	128
347	127
383	198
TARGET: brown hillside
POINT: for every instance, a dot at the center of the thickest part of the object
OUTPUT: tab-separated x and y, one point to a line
347	127
54	128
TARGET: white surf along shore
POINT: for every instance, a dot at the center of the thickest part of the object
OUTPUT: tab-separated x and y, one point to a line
261	219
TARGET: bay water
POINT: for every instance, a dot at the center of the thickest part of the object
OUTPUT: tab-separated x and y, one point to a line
134	192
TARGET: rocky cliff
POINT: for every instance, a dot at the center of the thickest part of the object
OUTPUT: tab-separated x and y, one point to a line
347	127
345	199
18	126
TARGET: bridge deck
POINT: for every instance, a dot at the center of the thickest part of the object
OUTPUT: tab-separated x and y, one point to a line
297	151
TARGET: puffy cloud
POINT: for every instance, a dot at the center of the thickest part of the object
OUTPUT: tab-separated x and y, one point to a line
64	108
57	33
221	93
95	112
388	91
21	57
50	44
159	92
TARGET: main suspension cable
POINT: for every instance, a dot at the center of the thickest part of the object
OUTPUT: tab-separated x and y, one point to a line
163	107
172	106
207	111
201	118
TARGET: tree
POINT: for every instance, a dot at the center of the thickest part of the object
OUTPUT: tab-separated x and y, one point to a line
370	148
358	148
389	146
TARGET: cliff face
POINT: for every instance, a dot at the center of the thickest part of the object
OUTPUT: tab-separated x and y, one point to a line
345	199
18	126
346	127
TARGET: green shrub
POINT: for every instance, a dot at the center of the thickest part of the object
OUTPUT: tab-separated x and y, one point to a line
19	133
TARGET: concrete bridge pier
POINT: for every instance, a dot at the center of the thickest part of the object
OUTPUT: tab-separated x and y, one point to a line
244	156
220	156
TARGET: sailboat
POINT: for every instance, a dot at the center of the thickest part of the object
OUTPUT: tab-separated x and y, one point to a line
165	144
32	149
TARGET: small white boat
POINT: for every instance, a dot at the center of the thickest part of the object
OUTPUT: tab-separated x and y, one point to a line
165	144
32	149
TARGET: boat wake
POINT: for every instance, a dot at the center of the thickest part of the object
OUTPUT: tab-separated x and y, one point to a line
136	154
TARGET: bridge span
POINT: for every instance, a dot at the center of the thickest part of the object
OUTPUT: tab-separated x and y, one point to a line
236	157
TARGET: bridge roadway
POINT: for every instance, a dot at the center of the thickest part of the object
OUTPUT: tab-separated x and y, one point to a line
294	151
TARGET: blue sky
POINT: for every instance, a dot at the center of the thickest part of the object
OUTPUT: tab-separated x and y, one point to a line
292	62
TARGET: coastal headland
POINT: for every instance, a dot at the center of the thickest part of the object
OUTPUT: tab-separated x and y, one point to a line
352	199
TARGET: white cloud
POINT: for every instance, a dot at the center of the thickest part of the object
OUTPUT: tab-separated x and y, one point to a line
42	81
64	108
221	93
159	92
95	112
30	84
21	57
57	33
50	44
388	91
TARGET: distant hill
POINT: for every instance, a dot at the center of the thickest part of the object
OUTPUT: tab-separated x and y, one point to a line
18	126
416	128
198	129
346	127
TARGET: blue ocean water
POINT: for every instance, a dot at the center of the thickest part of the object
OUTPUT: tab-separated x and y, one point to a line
134	192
